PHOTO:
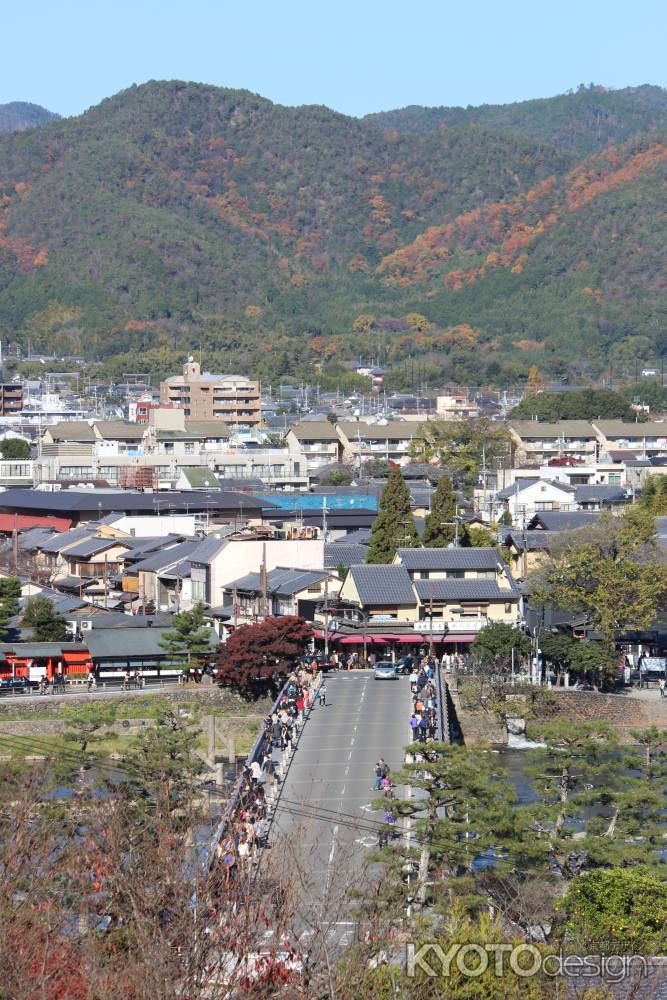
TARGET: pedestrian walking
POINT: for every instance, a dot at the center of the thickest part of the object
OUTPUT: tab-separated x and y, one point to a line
322	695
414	726
381	771
662	684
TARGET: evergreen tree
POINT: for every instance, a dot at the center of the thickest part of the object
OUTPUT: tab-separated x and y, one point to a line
46	624
591	810
394	527
190	635
10	592
440	527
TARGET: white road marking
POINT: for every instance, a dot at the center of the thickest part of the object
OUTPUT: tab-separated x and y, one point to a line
349	756
342	791
347	770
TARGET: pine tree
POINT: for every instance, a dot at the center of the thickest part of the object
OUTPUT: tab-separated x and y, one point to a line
10	591
592	811
46	624
190	635
394	527
440	527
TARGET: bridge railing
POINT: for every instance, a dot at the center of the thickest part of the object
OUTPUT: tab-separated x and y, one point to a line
442	708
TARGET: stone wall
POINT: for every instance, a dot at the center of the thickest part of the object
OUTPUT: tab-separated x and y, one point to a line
621	711
218	698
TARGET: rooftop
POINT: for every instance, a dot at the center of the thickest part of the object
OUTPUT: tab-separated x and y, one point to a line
446	559
383	585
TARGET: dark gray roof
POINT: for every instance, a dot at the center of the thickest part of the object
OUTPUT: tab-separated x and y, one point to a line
444	559
93	546
164	559
34	537
114	643
281	581
421	497
383	585
140	548
534	540
207	549
522	484
104	501
362	536
62	539
344	553
117	619
569	520
36	649
464	590
603	492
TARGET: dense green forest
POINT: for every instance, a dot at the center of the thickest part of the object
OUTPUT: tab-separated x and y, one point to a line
19	115
584	121
283	240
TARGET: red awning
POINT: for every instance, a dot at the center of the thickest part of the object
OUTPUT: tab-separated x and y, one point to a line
358	640
415	637
11	522
463	637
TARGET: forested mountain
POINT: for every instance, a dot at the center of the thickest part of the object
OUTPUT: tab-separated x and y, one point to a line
582	121
174	215
19	115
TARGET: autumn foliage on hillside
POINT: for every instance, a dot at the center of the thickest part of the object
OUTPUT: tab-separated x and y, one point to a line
175	215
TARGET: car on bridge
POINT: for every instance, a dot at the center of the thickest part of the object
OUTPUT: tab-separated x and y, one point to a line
385	671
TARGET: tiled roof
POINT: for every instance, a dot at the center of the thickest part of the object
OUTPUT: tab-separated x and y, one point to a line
114	643
344	553
62	539
553	520
393	430
315	431
603	492
92	546
444	559
463	590
281	581
121	430
524	484
361	536
536	430
169	557
72	430
383	585
619	429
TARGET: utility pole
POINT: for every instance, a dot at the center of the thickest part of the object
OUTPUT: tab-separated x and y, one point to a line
106	581
263	584
326	617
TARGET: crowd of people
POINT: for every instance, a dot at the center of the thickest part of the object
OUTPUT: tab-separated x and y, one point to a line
424	718
248	830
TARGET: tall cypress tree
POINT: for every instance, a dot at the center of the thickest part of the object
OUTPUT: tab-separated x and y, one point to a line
394	527
439	529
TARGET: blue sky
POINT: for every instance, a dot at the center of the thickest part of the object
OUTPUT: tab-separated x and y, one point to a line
356	57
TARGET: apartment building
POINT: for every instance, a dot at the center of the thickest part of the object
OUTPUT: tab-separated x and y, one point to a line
11	398
317	441
233	399
362	442
536	442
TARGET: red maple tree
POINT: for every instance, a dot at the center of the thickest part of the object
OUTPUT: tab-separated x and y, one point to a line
256	658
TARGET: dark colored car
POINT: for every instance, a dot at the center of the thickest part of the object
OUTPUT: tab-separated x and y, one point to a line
406	664
323	662
16	684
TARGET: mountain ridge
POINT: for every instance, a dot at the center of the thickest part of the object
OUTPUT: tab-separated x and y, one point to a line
16	116
174	214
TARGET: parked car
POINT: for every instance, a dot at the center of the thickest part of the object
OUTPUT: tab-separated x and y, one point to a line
385	671
14	685
323	662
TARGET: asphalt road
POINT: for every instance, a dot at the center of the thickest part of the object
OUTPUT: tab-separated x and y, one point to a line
325	822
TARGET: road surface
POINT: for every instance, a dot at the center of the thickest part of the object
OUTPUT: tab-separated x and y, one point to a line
325	822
